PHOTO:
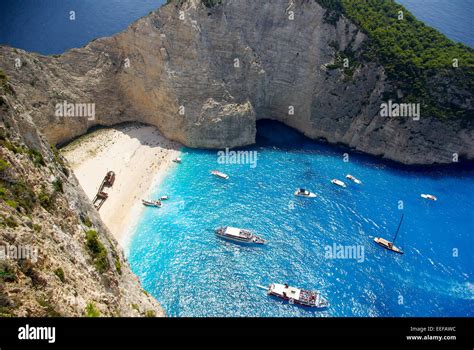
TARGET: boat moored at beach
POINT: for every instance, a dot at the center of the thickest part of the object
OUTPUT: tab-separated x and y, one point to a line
429	196
238	235
353	179
338	183
298	296
109	179
219	174
152	203
177	160
301	192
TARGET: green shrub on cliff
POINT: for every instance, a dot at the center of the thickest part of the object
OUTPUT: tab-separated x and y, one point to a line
36	157
60	273
97	251
17	194
4	83
211	3
91	310
410	51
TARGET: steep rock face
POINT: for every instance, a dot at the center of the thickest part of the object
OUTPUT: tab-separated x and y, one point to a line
253	60
45	213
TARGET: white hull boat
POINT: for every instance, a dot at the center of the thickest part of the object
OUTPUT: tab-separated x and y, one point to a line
301	192
353	179
151	203
177	160
387	245
429	196
219	174
298	296
338	183
390	245
238	235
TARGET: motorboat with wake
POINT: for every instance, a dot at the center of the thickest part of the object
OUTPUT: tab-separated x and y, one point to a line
297	296
353	179
238	235
152	203
429	196
301	192
338	183
390	245
219	174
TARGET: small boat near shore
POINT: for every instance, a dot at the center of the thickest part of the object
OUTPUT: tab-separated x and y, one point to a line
164	198
353	179
338	183
238	235
219	174
298	296
177	160
301	192
429	196
152	203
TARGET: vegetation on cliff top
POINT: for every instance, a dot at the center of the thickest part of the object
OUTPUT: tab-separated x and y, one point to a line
410	51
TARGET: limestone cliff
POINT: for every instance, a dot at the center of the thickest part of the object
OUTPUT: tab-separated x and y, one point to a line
204	75
56	256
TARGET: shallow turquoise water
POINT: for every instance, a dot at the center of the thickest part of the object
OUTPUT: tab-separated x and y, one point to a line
193	273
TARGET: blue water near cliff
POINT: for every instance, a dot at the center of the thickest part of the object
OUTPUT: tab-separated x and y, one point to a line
193	273
44	26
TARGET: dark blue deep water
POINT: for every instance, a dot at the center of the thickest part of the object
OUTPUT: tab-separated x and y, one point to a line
453	18
44	26
193	273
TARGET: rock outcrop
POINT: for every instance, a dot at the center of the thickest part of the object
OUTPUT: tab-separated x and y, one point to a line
57	258
203	76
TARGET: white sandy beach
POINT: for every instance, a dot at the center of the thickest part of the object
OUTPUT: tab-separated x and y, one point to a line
140	157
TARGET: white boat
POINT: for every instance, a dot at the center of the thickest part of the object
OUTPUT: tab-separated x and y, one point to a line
177	160
301	192
151	203
338	183
353	178
164	198
390	245
238	235
298	296
429	196
219	174
387	245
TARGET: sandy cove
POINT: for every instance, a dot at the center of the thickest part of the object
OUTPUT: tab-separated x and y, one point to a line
140	157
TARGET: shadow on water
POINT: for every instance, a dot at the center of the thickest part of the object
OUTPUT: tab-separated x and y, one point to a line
274	134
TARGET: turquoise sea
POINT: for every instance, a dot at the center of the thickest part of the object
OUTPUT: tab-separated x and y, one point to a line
193	273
